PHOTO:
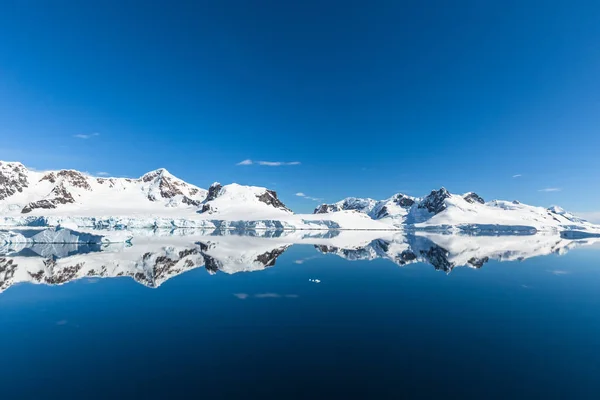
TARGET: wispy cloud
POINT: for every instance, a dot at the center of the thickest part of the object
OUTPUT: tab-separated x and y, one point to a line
517	176
303	195
86	135
102	173
268	163
550	190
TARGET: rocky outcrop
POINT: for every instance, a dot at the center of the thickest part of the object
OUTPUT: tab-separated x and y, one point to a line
213	191
13	179
45	204
270	198
434	202
472	197
60	195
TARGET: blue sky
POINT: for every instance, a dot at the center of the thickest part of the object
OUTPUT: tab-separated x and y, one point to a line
363	98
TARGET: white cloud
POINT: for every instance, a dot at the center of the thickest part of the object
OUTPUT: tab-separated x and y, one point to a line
241	296
517	176
86	136
559	272
300	194
550	190
268	163
102	173
245	162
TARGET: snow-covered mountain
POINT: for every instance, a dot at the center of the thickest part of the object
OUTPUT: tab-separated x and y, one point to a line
243	202
27	192
468	212
349	203
391	211
160	200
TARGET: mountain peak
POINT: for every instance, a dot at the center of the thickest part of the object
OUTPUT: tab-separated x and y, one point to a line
434	202
157	173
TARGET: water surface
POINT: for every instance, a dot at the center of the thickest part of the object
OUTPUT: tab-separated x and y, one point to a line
241	317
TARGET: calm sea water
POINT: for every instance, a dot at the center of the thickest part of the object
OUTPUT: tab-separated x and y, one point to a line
379	323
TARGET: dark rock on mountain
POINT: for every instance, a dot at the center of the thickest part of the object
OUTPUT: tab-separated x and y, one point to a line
434	202
270	198
324	209
472	197
213	191
190	202
383	212
403	200
75	178
47	204
13	179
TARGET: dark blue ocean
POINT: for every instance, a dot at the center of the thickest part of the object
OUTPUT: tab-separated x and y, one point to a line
300	321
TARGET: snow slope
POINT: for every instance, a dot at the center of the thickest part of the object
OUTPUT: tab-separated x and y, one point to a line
66	192
468	212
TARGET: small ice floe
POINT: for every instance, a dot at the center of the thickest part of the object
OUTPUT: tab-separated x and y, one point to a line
315	280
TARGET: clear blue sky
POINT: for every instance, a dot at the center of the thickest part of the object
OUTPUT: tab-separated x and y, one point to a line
371	98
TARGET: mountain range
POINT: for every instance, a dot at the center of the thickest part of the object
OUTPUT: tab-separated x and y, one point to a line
160	200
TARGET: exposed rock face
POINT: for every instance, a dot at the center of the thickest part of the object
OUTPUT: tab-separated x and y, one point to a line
325	208
74	178
168	187
13	179
472	197
60	196
403	200
270	198
190	202
434	202
47	204
213	191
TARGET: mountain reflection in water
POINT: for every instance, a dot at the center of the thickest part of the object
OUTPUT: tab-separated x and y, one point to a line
155	257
